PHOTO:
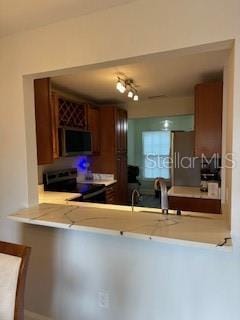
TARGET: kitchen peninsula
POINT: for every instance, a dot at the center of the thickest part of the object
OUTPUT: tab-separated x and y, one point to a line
192	229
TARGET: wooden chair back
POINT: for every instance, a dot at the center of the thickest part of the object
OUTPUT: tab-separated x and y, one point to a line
22	252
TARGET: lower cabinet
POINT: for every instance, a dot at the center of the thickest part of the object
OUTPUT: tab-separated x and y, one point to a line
195	204
111	194
121	176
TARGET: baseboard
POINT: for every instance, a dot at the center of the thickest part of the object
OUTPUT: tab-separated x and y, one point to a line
28	315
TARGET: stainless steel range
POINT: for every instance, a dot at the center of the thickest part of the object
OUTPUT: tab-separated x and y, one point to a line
65	180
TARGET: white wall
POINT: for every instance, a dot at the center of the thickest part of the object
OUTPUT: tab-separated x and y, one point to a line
235	216
161	107
226	172
146	281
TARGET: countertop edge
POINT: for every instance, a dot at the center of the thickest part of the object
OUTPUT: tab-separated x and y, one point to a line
125	234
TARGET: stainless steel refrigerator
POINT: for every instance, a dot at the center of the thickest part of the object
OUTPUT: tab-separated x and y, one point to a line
185	168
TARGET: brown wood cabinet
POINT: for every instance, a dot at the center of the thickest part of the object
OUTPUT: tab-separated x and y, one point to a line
121	130
111	194
93	118
72	114
113	156
195	204
55	125
121	177
53	111
208	118
44	114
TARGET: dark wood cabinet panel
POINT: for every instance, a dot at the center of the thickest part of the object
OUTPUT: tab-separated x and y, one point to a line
208	118
113	156
43	115
72	113
93	118
121	130
121	176
52	111
111	194
55	125
195	204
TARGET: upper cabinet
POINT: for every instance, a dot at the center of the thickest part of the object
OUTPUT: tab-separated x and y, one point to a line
93	116
45	123
55	124
54	111
208	119
72	114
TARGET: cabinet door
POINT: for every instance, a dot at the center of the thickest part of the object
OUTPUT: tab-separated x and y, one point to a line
195	204
55	124
94	127
121	131
208	118
43	118
72	113
122	186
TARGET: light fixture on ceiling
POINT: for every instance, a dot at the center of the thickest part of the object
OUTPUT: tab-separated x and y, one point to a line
129	86
166	125
120	86
130	94
135	97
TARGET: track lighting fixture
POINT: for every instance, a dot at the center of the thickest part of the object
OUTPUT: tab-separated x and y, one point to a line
127	85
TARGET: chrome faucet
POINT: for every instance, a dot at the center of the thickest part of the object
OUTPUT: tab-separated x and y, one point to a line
135	191
164	194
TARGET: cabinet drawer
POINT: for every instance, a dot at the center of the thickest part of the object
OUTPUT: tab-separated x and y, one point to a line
195	204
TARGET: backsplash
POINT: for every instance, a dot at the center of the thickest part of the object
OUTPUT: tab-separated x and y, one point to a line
78	162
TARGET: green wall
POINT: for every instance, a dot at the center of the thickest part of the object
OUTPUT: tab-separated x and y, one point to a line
137	126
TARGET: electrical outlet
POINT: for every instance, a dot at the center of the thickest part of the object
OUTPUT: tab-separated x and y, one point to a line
103	299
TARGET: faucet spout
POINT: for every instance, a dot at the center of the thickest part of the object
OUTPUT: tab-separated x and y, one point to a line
135	191
161	184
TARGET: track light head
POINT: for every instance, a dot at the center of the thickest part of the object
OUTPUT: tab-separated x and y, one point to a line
120	86
135	97
130	94
128	85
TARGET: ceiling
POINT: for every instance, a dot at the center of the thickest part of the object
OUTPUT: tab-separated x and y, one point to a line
170	75
16	16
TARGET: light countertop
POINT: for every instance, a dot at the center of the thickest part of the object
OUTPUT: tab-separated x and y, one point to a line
190	192
188	229
63	197
99	181
56	197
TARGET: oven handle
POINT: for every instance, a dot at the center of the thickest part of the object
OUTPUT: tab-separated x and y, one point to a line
93	194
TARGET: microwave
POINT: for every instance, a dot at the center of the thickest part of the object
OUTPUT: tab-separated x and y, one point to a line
75	142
